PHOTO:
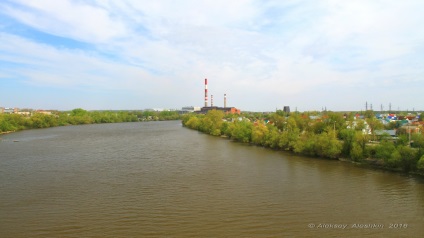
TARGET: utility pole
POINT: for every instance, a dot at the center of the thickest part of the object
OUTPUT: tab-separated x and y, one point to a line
334	128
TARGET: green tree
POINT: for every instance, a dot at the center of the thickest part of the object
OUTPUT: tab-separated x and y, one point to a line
384	150
212	122
318	127
78	112
6	124
361	139
327	145
288	139
403	140
306	144
360	125
193	123
407	158
357	152
272	137
242	131
348	137
278	120
420	164
335	121
259	132
418	143
374	125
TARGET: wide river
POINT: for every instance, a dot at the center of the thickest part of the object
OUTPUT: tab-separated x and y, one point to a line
159	179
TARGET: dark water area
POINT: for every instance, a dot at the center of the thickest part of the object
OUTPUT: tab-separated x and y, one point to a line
159	179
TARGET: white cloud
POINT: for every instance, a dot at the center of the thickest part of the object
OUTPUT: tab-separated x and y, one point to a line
72	19
266	48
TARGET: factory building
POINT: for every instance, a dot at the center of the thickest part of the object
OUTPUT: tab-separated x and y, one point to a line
225	109
231	110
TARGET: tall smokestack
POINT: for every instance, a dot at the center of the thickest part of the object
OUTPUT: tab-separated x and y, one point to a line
206	92
225	100
211	100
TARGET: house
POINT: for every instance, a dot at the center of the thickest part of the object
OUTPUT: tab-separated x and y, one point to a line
408	129
353	124
385	133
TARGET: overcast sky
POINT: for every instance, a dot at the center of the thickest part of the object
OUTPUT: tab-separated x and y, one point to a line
136	54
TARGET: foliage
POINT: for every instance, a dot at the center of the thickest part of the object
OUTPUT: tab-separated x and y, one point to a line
328	146
329	136
15	122
407	158
420	164
348	136
384	150
242	131
356	152
258	134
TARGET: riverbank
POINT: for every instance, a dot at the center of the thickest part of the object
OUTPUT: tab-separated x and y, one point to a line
368	163
6	132
298	134
377	165
15	122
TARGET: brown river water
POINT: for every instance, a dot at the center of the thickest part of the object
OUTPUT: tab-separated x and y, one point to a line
159	179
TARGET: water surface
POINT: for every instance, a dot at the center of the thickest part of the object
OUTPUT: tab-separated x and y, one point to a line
158	179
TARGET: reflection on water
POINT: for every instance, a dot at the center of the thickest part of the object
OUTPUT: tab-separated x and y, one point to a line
159	179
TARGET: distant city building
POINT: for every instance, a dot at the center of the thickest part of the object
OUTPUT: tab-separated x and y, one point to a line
43	112
24	113
286	109
9	110
154	109
190	109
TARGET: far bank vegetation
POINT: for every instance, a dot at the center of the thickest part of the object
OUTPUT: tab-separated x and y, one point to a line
16	122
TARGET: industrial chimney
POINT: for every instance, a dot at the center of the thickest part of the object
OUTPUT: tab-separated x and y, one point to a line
211	100
206	92
225	100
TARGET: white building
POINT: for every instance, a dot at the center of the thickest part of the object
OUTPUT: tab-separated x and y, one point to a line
190	109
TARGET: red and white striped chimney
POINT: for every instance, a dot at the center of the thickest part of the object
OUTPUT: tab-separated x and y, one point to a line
225	100
206	92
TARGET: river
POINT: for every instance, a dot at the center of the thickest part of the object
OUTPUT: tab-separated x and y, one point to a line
159	179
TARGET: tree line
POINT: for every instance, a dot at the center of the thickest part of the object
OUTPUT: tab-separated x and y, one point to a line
78	116
334	136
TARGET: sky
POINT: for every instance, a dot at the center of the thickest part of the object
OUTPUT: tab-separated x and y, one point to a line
264	54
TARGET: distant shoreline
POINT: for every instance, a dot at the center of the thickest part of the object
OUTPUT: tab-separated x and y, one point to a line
6	132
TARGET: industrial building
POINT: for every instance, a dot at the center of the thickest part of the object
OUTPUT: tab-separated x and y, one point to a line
225	109
231	110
